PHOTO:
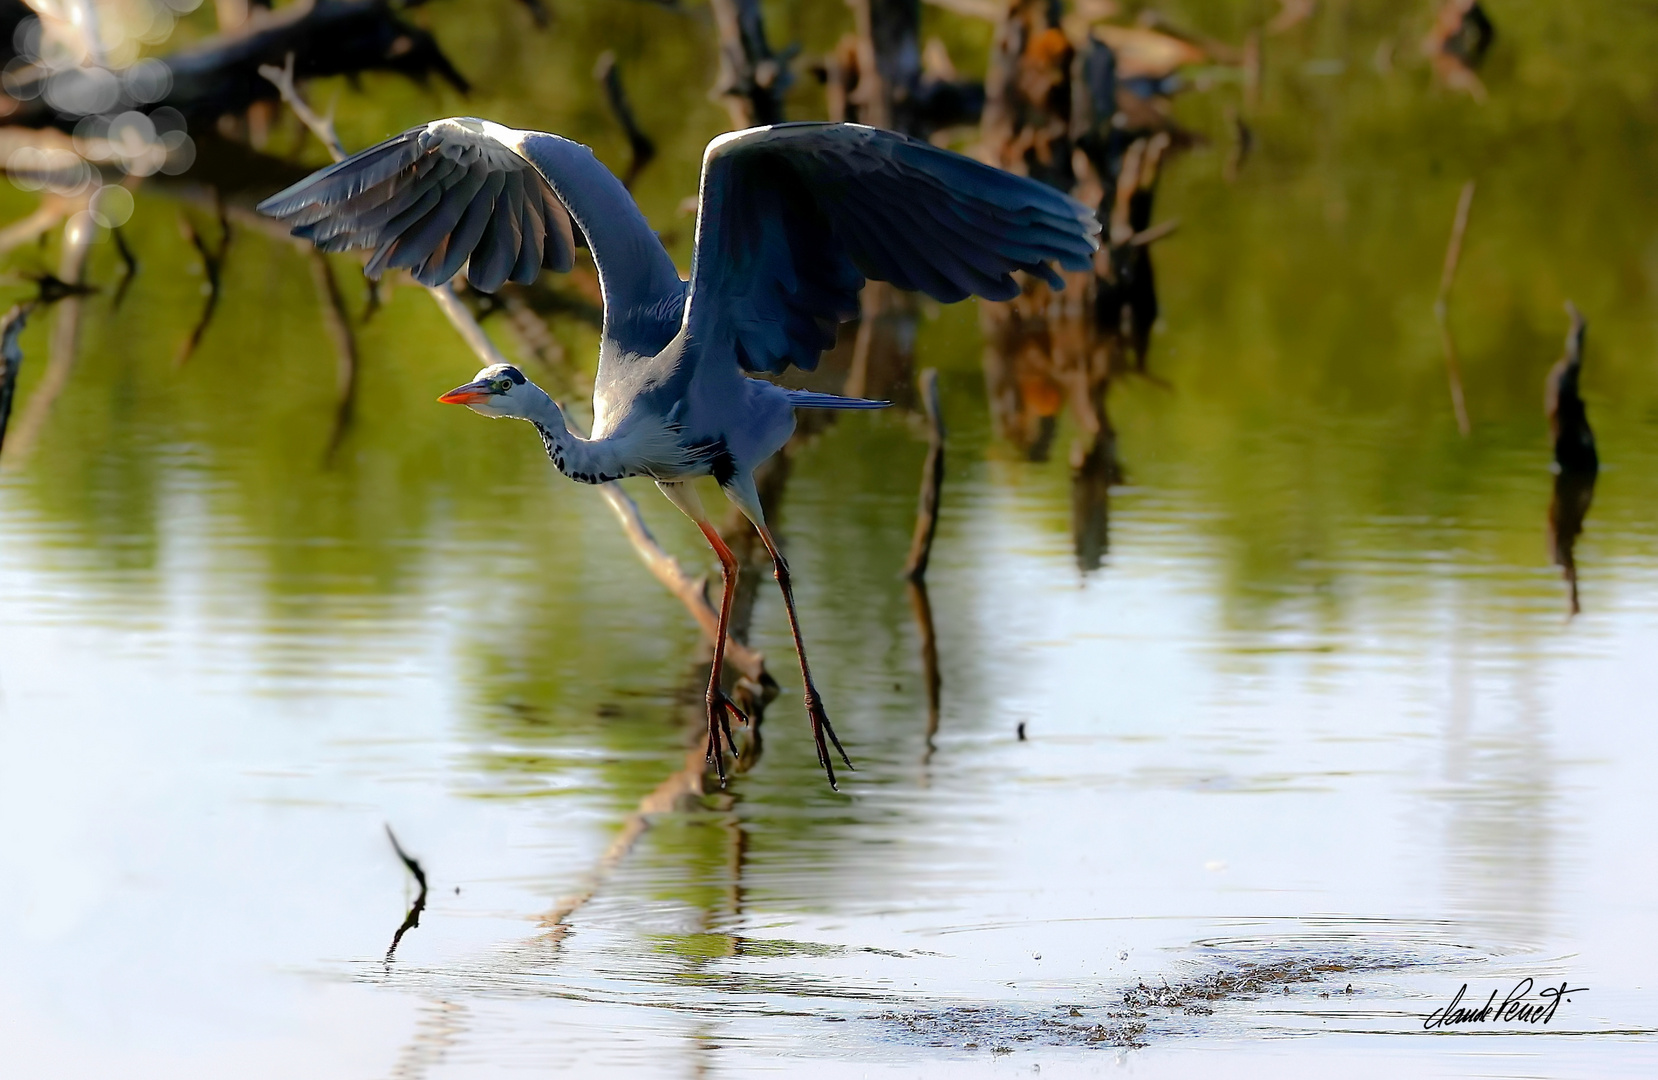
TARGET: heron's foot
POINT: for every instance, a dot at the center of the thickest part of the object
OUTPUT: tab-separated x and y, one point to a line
820	728
721	711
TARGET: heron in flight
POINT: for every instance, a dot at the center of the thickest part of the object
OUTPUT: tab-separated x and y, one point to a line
792	219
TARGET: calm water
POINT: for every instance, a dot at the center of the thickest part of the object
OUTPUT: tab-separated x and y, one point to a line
1319	715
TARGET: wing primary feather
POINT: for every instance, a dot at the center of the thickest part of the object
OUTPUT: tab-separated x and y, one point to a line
430	233
559	244
393	230
344	178
870	253
530	248
938	250
491	262
474	219
386	222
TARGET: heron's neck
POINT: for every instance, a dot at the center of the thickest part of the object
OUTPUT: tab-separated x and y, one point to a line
587	460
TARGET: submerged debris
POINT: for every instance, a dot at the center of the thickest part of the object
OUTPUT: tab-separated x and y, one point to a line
1129	1020
412	919
973	1027
1574	442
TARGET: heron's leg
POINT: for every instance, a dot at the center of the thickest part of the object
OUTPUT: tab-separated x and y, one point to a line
741	491
720	707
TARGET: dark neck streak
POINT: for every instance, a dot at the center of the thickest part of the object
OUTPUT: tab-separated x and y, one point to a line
568	459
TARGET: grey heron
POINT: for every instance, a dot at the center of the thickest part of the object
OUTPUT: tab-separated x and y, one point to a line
792	219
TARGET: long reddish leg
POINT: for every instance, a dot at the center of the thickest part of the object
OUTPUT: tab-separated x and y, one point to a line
720	707
814	701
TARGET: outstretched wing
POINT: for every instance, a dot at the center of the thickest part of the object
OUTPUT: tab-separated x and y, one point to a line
795	217
464	192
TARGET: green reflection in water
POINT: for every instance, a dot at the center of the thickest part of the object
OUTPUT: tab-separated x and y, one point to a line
1304	463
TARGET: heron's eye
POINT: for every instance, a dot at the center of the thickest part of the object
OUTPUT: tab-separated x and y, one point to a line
503	385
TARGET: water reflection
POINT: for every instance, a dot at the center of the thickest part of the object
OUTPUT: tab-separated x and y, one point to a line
1576	461
1502	804
1569	505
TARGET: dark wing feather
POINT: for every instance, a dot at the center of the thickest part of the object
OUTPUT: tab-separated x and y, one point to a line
464	192
498	245
425	200
795	217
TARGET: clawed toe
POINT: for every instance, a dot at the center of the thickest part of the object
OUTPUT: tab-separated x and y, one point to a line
721	710
820	728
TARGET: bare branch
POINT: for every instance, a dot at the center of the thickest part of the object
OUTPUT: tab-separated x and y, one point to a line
321	126
412	919
345	347
213	260
129	262
641	147
684	784
665	568
1441	307
932	481
51	211
65	340
1147	237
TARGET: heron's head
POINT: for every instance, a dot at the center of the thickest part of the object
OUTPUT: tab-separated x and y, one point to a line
499	390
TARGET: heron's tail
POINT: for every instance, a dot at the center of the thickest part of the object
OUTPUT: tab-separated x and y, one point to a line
809	399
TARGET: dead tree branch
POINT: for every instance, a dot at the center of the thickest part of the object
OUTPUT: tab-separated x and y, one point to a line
1574	440
1441	306
220	76
338	324
51	211
213	261
680	786
412	919
65	340
641	147
932	481
691	591
321	126
884	76
752	79
129	263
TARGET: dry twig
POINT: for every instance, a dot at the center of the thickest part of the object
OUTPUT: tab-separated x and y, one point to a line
51	211
412	919
1441	306
65	340
129	262
932	481
345	347
213	261
639	144
680	786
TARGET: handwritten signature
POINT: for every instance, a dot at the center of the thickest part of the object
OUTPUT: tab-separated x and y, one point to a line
1518	1006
